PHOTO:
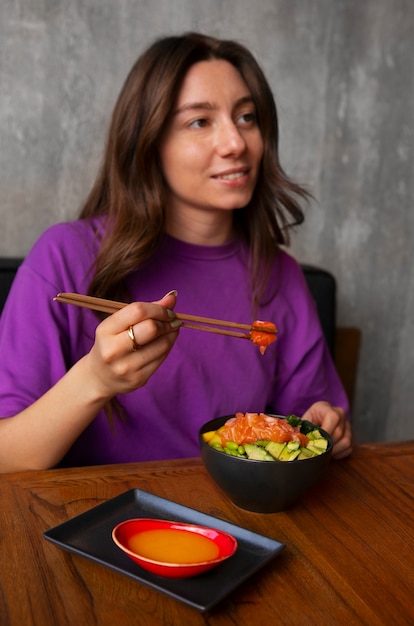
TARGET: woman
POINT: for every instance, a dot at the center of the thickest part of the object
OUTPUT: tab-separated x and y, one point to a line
190	199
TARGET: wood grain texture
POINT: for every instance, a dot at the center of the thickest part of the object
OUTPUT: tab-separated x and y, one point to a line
349	555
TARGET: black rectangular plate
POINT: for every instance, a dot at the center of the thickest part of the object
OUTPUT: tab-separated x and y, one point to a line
90	535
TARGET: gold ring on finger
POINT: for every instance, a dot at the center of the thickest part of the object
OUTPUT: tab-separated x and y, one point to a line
131	335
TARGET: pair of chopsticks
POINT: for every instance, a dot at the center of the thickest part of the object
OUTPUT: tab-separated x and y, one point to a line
196	322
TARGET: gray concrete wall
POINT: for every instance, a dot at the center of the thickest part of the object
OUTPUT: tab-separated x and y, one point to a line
343	76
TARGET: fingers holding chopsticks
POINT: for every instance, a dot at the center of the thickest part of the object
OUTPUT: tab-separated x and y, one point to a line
131	344
148	321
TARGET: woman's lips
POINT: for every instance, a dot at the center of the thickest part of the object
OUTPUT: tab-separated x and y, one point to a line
232	174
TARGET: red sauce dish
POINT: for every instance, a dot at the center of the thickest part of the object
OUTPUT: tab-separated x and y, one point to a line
173	549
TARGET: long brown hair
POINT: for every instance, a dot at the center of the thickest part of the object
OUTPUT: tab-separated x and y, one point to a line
130	189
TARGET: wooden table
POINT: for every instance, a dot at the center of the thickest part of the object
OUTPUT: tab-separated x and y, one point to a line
349	556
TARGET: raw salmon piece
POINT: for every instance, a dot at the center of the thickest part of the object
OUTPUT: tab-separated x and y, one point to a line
250	427
263	339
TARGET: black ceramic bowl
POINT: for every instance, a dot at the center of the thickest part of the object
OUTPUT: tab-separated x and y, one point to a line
261	486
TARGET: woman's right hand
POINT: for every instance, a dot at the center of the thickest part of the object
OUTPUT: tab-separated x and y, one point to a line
114	366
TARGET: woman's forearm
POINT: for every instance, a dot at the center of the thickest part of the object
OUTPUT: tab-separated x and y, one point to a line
39	436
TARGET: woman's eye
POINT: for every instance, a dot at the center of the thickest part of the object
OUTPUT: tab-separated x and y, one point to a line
247	118
199	123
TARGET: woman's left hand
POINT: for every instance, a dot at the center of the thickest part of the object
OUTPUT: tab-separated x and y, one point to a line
333	420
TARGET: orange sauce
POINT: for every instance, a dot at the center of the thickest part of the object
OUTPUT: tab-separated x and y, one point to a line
173	546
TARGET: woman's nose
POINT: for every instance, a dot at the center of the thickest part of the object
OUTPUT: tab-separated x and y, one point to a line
230	139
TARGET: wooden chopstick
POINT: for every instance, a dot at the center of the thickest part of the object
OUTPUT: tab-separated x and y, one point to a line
90	302
197	322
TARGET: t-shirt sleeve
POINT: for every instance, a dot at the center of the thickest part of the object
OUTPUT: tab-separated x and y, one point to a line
305	370
37	334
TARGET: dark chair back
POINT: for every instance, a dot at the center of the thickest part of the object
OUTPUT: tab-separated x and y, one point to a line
322	286
8	269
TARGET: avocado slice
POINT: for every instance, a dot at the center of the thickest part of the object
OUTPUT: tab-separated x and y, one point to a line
306	453
275	448
289	455
292	445
257	453
316	449
317	434
322	444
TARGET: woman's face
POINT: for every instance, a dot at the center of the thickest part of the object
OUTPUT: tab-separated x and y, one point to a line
212	148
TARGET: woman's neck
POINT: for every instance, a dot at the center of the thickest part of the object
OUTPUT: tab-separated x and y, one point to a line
213	229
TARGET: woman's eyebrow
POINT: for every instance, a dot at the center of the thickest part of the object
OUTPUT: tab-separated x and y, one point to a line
208	106
193	106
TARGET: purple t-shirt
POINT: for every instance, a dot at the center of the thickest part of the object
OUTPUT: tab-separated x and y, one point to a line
205	376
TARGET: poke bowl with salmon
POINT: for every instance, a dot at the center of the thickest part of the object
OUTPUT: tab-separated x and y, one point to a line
264	463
